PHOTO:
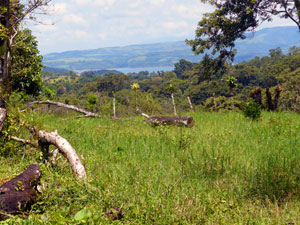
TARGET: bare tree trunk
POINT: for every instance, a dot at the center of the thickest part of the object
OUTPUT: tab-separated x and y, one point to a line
19	193
2	118
71	107
277	96
173	102
269	99
114	106
256	95
190	103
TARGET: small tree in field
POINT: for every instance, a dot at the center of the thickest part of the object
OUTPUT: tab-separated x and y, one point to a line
135	86
231	82
92	100
172	89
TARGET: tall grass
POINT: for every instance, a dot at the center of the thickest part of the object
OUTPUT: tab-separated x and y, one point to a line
224	170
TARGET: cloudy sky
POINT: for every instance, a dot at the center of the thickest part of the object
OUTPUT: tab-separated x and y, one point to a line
90	24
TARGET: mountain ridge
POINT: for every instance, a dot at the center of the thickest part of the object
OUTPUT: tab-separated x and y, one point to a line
168	53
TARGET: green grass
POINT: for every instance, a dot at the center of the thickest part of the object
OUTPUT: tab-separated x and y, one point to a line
224	170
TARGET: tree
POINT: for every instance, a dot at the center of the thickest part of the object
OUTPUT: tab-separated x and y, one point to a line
231	82
12	14
27	65
218	31
181	66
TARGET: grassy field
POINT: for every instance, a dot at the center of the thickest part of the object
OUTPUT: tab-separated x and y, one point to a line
224	170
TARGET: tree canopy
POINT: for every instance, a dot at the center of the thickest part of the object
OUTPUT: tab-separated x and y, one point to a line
218	31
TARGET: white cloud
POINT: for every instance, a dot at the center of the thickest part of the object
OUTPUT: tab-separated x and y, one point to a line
81	35
157	2
99	3
60	8
74	19
170	25
88	24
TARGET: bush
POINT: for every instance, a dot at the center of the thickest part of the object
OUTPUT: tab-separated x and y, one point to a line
251	110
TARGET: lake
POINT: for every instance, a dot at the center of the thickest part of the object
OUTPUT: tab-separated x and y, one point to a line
150	69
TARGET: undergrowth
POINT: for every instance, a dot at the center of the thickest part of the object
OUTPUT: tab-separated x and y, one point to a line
224	170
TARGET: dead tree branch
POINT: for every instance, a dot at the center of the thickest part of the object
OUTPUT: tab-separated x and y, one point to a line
64	147
26	142
71	107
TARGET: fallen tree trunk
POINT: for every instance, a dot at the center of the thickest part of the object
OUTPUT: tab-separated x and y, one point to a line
185	121
71	107
65	148
18	194
3	113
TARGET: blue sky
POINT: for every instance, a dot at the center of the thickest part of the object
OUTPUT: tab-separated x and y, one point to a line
91	24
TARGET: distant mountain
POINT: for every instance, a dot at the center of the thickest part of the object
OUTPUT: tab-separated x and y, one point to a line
56	70
166	54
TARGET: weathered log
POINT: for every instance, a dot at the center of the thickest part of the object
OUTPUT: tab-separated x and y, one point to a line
18	194
2	117
185	121
71	107
45	139
65	148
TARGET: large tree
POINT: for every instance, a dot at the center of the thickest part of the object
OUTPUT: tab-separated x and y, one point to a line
217	31
20	67
12	14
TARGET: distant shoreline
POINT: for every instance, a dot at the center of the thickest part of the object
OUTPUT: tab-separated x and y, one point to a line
133	69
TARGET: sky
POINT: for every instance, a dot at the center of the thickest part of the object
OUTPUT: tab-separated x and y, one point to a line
92	24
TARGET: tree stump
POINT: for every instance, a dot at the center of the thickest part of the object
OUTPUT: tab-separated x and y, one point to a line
19	194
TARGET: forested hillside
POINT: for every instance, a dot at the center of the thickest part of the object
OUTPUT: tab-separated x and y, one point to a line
166	54
189	79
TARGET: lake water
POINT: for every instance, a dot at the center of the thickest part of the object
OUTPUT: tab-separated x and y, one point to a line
150	69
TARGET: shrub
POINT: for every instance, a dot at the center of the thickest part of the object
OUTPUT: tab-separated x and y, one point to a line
251	110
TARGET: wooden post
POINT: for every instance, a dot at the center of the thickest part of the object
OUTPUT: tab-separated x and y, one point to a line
114	105
190	103
173	102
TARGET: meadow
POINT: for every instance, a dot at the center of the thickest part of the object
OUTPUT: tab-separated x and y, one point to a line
225	170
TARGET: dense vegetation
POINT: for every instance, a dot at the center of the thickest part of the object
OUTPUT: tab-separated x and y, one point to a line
207	91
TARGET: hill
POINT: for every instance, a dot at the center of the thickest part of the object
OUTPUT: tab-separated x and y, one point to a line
166	54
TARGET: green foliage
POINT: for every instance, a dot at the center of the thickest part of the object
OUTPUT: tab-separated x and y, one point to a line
170	175
251	110
218	31
222	104
27	64
200	81
92	101
231	82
